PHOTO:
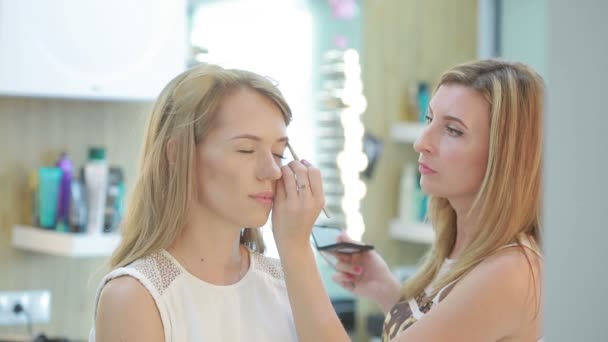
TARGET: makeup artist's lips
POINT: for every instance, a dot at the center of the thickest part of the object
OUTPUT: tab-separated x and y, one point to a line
264	198
424	169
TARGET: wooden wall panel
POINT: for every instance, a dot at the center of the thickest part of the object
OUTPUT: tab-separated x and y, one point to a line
405	41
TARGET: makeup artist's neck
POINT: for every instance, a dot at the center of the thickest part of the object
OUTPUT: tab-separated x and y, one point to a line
465	224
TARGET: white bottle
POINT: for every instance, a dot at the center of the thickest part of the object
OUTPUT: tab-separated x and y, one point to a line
96	182
406	190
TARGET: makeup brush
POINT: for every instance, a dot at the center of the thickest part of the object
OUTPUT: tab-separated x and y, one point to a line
295	157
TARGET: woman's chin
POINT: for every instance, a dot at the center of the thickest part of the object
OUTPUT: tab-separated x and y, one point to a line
257	222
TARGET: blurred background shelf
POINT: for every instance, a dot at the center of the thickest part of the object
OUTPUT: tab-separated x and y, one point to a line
412	232
406	132
64	244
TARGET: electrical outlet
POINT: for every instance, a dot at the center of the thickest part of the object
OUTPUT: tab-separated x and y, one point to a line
36	305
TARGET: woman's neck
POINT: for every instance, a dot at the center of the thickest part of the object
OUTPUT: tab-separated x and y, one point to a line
210	249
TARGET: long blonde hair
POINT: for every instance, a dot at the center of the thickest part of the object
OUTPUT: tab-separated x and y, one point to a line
183	114
509	199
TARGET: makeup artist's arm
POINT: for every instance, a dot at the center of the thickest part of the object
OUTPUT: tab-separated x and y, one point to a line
293	216
366	274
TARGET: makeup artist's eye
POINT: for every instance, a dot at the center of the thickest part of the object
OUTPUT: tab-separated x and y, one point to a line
428	119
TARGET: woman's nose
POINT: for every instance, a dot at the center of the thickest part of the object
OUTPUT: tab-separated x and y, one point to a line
269	168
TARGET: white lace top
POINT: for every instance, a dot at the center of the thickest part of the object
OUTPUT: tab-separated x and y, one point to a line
256	308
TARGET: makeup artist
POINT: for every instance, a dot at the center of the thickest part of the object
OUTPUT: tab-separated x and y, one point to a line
480	160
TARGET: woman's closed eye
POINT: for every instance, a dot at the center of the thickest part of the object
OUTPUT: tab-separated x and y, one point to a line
276	155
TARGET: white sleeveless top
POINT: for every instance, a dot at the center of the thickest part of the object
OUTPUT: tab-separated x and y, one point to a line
256	308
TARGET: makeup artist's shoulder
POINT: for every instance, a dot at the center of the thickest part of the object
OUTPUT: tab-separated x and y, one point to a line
124	307
517	263
512	279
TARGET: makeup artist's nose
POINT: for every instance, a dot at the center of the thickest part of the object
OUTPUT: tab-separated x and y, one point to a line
426	141
268	168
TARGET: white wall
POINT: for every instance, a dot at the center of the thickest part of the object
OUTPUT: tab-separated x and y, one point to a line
523	32
576	171
247	35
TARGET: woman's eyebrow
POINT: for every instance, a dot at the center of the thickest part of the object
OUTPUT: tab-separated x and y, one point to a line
256	138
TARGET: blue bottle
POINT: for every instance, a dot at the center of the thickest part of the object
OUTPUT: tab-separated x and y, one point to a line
424	98
49	180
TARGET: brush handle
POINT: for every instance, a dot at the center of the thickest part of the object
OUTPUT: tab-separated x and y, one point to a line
295	157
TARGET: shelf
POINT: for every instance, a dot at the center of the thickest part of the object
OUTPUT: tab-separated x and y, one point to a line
406	132
412	232
64	244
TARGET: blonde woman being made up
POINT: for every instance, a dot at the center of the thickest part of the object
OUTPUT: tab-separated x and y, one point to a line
187	269
480	160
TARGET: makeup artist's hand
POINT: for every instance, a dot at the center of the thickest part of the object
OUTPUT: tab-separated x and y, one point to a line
298	200
367	274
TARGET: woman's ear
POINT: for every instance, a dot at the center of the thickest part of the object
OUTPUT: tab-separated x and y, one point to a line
170	150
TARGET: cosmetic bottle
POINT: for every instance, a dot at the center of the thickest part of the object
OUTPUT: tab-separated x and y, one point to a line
421	200
63	205
96	183
114	200
423	101
49	179
406	193
78	206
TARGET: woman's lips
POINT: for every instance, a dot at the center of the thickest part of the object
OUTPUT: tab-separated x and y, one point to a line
425	169
264	198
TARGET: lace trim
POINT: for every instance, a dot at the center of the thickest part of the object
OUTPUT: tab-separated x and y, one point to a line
269	266
159	270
